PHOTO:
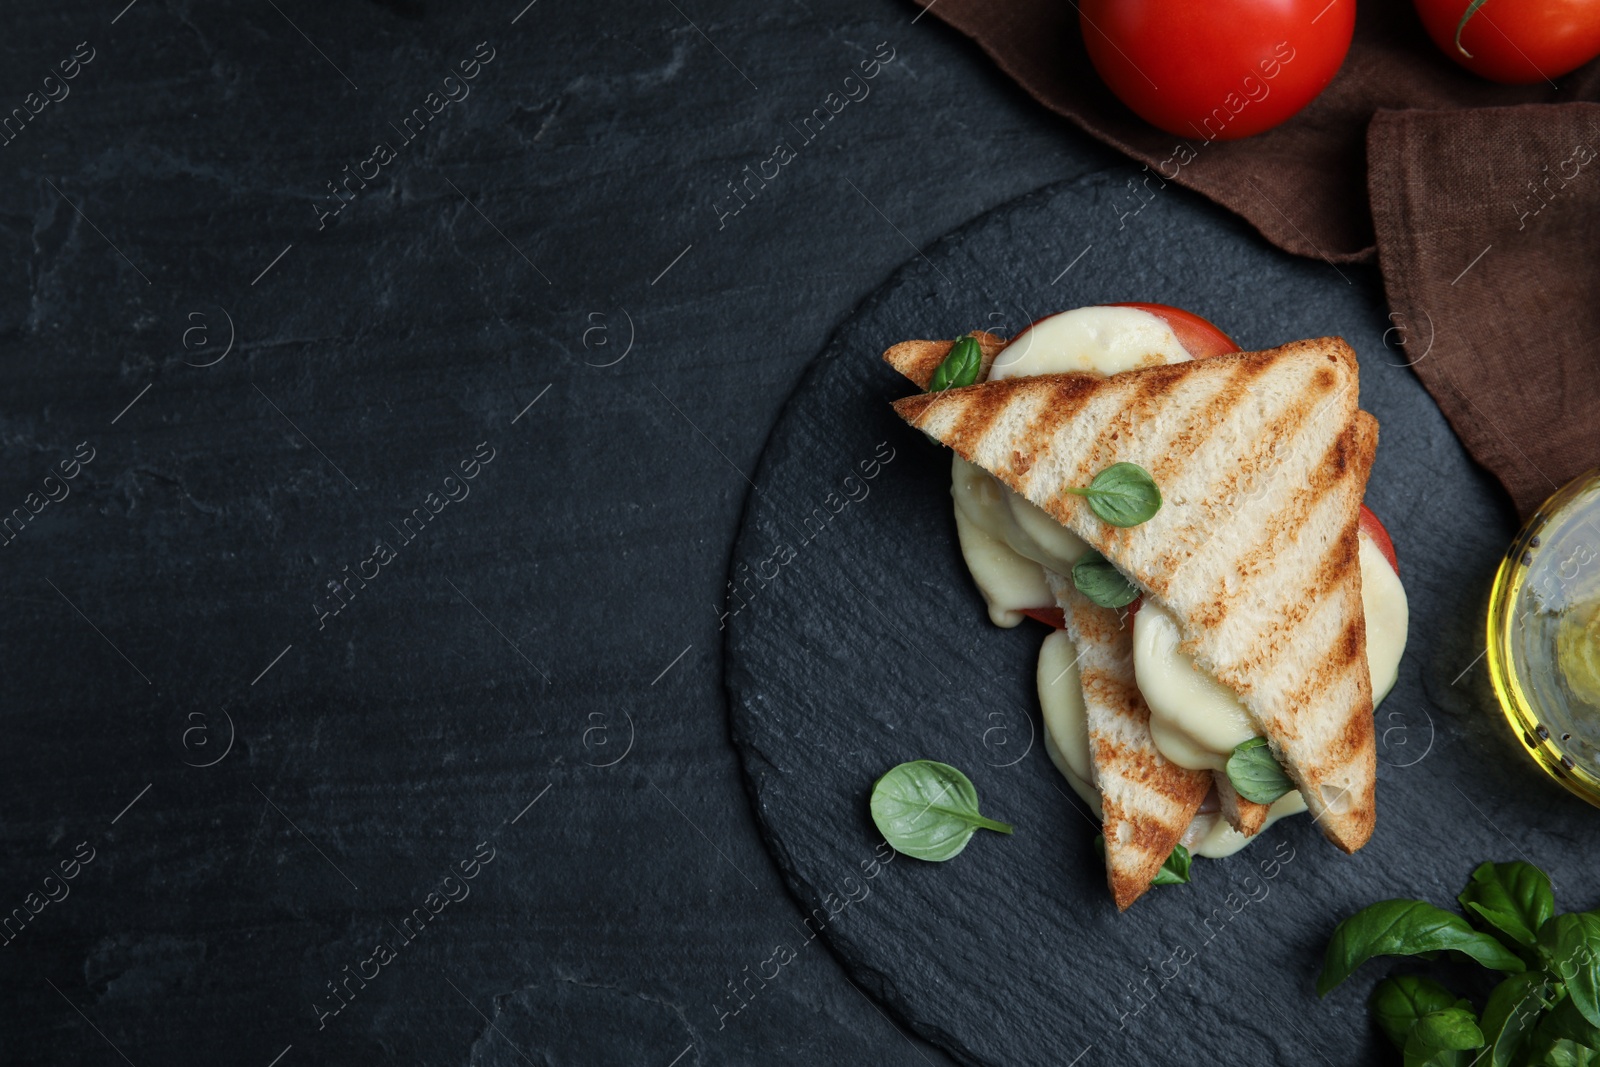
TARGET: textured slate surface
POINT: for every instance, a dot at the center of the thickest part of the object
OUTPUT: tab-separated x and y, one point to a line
197	144
859	643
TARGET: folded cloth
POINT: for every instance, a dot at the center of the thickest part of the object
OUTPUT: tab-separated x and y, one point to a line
1407	156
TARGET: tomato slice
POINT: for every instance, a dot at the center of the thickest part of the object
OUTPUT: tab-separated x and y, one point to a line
1053	617
1057	618
1200	337
1380	537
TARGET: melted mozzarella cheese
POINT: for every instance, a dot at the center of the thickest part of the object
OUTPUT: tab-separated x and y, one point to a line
1009	518
1383	601
1212	837
1066	725
1097	340
1197	721
1007	581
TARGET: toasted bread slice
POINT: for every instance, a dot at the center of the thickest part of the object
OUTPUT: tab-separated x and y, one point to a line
918	360
1148	801
1262	459
1245	816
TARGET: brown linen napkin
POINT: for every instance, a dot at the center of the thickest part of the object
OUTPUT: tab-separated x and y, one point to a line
1488	226
1498	366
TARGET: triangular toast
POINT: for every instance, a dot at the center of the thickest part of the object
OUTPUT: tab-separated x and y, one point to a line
917	360
1147	800
1262	459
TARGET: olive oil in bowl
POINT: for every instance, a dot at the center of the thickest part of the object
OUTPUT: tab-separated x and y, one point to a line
1544	636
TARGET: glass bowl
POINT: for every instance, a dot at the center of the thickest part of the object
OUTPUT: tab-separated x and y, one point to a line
1544	636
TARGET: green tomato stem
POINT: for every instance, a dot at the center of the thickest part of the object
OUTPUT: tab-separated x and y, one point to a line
1472	9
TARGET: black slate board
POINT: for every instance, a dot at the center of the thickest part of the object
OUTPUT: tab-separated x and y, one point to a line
855	641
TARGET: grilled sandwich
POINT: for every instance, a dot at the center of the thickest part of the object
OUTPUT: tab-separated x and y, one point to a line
1262	459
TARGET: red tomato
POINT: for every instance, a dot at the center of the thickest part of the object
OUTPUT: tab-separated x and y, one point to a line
1056	618
1515	42
1380	537
1219	70
1053	617
1198	336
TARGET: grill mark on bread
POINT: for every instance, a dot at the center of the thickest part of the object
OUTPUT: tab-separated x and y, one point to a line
1282	526
1196	430
1347	654
1188	439
1340	558
1063	401
1140	403
977	407
1358	733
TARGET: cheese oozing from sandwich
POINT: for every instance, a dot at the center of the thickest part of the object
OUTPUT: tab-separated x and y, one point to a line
1008	543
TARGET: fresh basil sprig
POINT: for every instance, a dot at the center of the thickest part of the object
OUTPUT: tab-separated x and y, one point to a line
1255	773
1174	871
1123	495
1100	581
1544	1013
928	810
961	367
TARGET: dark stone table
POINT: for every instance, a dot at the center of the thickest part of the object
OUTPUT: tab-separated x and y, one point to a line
380	382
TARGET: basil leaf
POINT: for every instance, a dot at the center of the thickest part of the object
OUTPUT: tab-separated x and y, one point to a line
1123	495
1561	1022
1175	871
1511	1014
1406	928
1100	581
1400	1001
1439	1033
928	810
1255	774
1564	1053
1571	945
961	367
1513	898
